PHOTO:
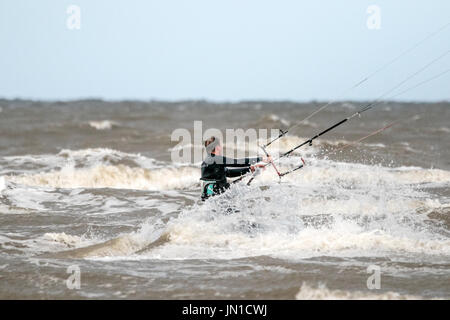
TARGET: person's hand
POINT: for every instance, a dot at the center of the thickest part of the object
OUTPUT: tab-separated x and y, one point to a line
253	167
267	159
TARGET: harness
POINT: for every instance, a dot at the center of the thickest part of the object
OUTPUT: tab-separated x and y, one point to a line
211	188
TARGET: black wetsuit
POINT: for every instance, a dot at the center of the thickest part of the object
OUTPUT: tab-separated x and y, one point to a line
216	169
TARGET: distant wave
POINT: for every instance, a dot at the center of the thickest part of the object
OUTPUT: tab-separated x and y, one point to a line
103	124
83	158
273	119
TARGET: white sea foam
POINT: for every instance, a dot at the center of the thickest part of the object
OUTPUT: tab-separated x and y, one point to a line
2	184
103	124
321	292
63	238
274	117
309	123
357	174
280	226
26	200
192	239
119	177
330	211
83	158
95	156
326	209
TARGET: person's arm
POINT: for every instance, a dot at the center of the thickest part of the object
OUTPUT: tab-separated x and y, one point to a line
244	162
236	172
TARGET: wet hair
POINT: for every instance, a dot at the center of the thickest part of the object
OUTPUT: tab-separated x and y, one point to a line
211	144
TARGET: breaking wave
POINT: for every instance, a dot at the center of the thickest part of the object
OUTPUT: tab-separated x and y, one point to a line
2	184
321	292
324	172
277	222
326	209
119	177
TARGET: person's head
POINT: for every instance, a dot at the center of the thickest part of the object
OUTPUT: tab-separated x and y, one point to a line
213	146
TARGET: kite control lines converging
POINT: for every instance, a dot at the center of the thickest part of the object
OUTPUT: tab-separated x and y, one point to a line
365	108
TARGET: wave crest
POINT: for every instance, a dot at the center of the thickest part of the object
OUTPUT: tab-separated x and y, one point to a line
114	176
321	292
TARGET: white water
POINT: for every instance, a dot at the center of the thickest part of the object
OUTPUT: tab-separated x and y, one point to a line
126	216
321	292
326	209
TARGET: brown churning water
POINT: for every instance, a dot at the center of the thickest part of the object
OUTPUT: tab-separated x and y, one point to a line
90	185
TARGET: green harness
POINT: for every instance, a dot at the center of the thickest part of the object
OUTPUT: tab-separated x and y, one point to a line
209	189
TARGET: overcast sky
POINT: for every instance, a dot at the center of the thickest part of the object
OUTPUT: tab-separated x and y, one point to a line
219	49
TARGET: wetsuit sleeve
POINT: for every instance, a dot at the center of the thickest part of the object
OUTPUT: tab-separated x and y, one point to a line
236	172
244	162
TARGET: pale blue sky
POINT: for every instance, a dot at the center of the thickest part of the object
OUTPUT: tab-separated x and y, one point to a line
218	50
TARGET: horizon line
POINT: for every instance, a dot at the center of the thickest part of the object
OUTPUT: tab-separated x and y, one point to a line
215	101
